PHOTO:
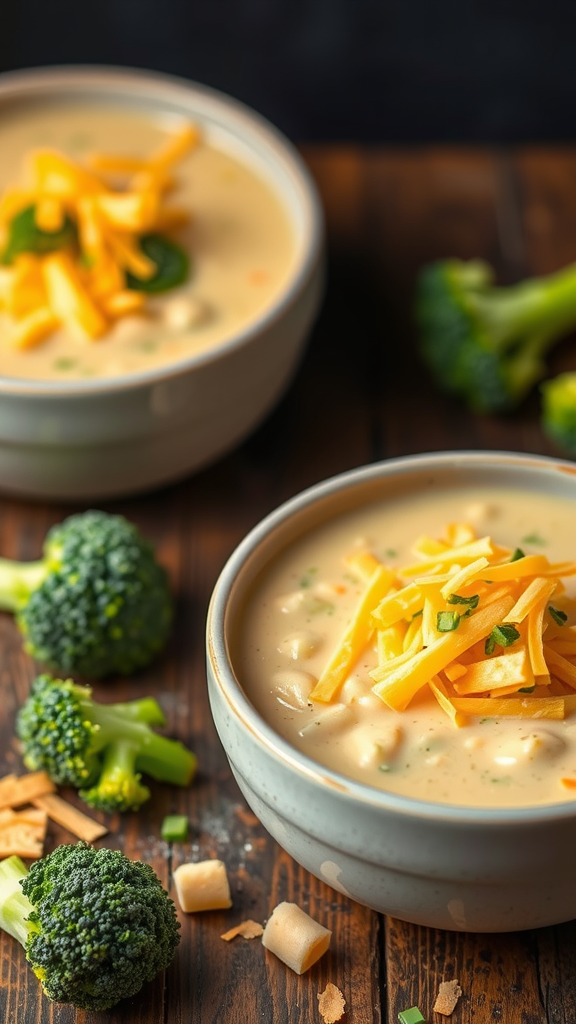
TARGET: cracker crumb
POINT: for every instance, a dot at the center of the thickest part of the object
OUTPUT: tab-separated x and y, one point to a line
448	995
331	1004
247	929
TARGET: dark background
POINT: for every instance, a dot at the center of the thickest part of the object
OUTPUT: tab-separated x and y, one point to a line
365	70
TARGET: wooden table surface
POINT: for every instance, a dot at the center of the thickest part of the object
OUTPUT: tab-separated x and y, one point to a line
360	396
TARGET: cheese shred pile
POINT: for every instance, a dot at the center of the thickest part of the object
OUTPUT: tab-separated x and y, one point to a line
71	243
484	628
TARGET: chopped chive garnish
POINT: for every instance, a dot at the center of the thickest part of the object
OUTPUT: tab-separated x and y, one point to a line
533	538
527	689
504	636
517	554
446	622
418	614
472	602
63	363
411	1016
175	828
308	578
559	617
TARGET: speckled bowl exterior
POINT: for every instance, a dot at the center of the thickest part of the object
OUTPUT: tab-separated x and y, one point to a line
443	866
105	437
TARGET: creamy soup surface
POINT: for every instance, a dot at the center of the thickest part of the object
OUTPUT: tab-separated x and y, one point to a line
239	239
299	609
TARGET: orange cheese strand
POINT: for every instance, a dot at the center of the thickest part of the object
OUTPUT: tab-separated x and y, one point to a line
446	703
523	706
507	670
355	637
397	688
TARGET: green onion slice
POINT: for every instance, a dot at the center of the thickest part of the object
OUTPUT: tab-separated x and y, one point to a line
560	617
446	622
175	828
504	636
472	602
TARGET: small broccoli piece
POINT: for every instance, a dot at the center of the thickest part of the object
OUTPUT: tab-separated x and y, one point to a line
486	344
95	925
99	749
559	411
97	603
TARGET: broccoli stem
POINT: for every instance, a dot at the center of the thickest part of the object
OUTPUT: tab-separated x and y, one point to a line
18	580
15	907
546	307
165	760
119	774
145	709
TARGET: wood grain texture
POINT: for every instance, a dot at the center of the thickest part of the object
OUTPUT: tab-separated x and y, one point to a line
360	394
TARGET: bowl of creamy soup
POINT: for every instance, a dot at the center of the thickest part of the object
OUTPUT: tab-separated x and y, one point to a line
392	673
160	268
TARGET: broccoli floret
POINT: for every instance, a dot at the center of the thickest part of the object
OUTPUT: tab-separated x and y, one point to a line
559	411
99	749
486	344
97	603
95	925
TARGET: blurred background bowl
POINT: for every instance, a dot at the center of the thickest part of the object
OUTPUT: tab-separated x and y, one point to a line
445	866
96	438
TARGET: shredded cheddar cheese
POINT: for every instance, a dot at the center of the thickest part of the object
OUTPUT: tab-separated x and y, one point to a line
483	629
80	238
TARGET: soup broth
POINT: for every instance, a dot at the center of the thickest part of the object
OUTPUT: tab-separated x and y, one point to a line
239	241
299	609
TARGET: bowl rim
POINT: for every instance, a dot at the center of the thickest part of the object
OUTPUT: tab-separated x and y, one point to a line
280	749
33	83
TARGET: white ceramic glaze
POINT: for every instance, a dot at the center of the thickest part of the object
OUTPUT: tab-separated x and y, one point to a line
102	437
443	866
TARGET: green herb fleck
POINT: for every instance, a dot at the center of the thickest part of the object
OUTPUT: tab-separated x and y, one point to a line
307	578
517	554
472	602
417	614
446	622
527	689
148	345
560	617
534	538
384	768
390	552
64	363
504	636
317	606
